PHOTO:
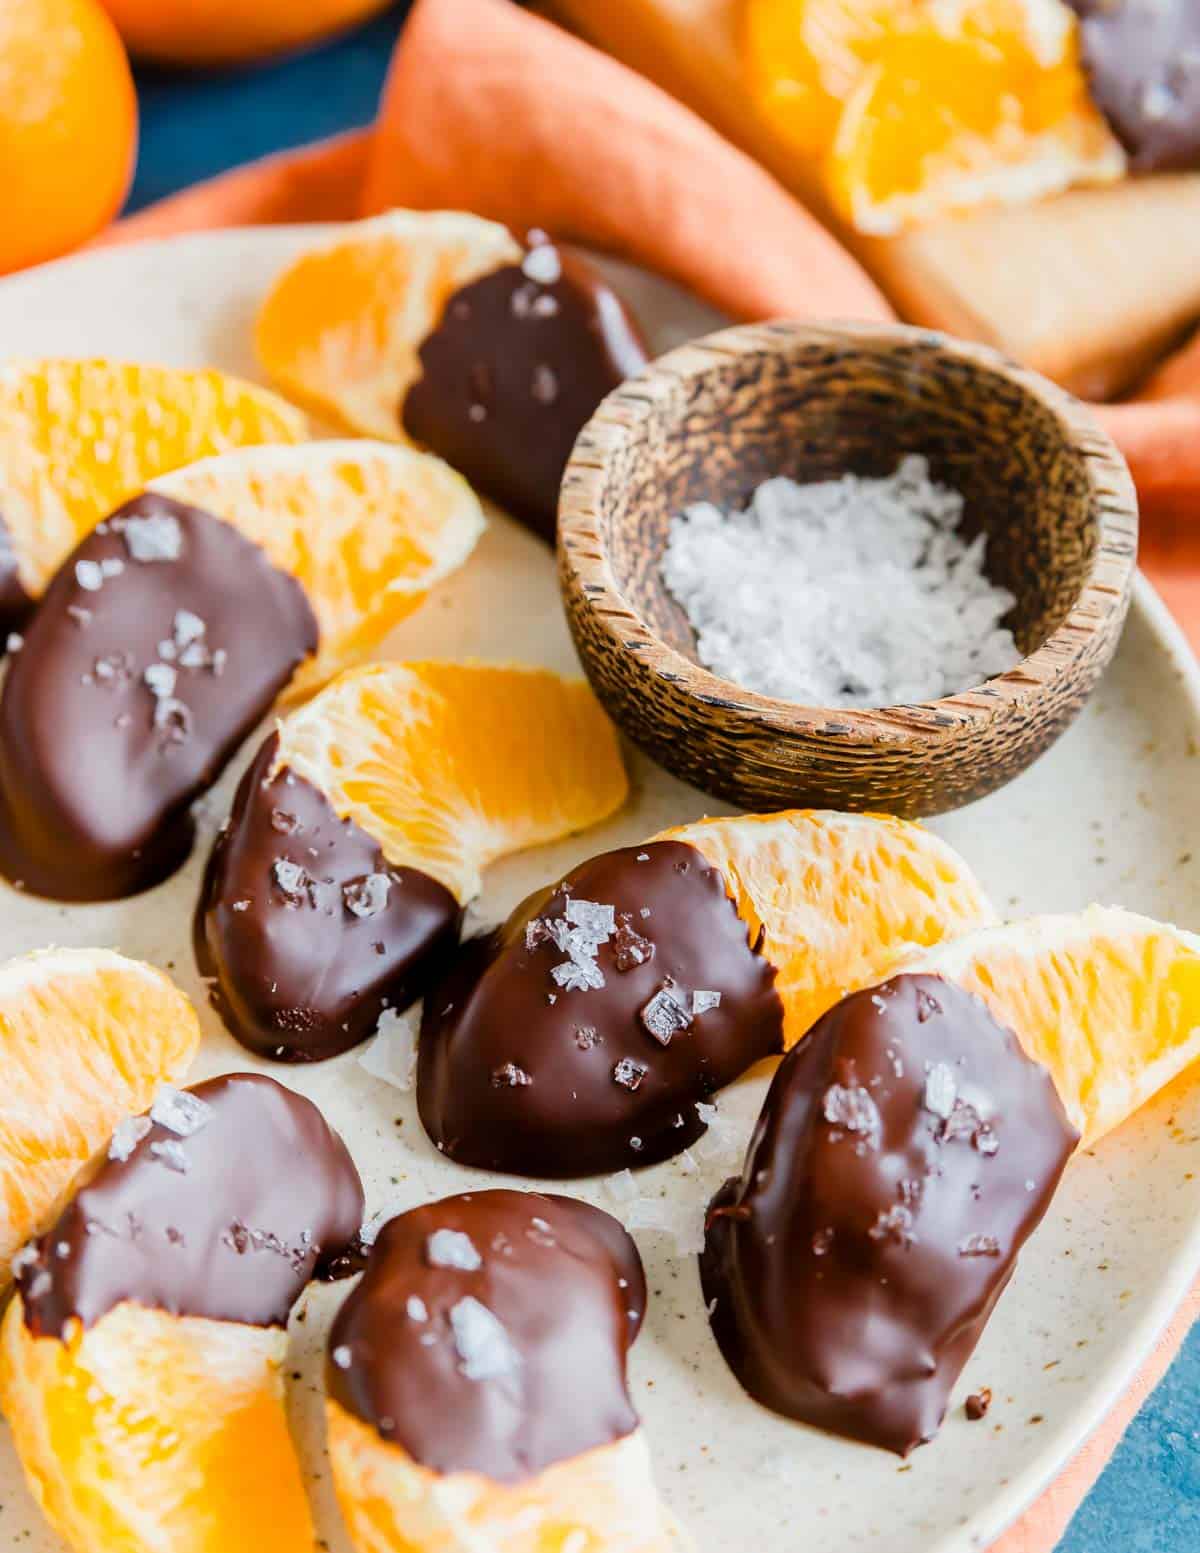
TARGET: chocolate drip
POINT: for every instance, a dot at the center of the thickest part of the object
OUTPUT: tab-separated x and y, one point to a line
514	371
521	1070
1143	66
906	1151
306	928
15	604
534	1376
99	763
229	1221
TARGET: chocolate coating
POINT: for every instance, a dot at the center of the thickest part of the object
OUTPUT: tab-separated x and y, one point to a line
268	1197
15	604
513	372
303	969
564	1282
517	1072
1142	59
906	1151
97	771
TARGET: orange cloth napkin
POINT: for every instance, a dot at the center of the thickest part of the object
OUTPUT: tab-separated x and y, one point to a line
490	109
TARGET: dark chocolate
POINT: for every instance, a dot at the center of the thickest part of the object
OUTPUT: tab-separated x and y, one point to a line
907	1149
1142	59
229	1221
513	372
15	604
529	1371
99	764
307	930
523	1067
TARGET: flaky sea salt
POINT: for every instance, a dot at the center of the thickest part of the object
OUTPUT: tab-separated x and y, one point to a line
853	592
127	1134
451	1248
392	1055
156	538
180	1112
483	1345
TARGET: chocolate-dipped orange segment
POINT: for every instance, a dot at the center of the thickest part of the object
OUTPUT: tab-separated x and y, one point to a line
365	528
907	1149
477	1388
141	1362
581	1036
361	830
175	624
78	438
88	1037
443	329
1107	1001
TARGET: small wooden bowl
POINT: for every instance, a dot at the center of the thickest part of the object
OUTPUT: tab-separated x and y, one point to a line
714	419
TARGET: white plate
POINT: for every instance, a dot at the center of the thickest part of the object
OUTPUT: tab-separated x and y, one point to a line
1106	816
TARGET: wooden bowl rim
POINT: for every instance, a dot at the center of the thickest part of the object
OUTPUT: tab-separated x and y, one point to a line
585	567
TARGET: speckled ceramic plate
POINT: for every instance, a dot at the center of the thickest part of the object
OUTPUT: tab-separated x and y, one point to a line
1106	816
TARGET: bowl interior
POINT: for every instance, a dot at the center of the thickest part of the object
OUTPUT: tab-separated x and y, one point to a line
813	412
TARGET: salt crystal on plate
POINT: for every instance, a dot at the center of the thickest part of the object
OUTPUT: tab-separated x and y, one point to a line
180	1112
654	1214
622	1186
392	1055
451	1248
483	1344
853	592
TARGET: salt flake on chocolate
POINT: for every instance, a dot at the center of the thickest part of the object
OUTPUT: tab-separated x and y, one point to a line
290	879
127	1134
941	1091
664	1016
578	975
629	1074
451	1248
704	1000
483	1345
156	538
89	576
596	920
180	1112
851	1107
368	896
170	1153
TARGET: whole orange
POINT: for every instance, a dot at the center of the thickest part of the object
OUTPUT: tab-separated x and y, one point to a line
217	32
68	126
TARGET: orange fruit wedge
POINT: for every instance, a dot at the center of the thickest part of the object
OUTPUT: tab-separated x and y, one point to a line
86	1038
341	327
449	766
78	438
604	1498
367	529
919	108
1108	1001
149	1431
840	899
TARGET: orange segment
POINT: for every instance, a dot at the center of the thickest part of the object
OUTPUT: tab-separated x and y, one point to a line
842	898
450	766
918	108
77	438
1108	1001
340	329
150	1432
603	1499
86	1037
367	529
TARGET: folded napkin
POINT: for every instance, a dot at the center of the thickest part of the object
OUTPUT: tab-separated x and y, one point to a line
490	109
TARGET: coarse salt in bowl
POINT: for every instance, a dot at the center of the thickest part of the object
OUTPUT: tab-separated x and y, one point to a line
1009	475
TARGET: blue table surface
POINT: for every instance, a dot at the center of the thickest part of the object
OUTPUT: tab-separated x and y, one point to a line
1148	1499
